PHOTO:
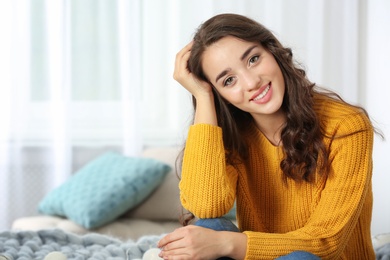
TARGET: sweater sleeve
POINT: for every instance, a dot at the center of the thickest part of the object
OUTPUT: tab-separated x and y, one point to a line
207	185
338	213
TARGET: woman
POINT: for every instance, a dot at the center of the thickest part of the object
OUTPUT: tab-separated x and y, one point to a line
297	160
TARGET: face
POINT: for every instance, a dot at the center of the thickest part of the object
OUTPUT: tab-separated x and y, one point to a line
246	75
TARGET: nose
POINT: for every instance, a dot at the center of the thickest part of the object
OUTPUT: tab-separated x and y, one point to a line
250	80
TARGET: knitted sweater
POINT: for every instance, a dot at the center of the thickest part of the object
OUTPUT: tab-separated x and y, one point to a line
330	217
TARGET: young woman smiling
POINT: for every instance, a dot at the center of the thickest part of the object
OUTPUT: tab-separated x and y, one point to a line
296	159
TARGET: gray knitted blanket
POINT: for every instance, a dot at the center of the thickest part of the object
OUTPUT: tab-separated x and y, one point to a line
383	252
27	245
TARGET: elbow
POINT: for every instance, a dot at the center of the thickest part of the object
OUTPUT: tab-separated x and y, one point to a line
207	210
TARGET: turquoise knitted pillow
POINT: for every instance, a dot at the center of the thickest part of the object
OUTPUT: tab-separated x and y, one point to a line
104	189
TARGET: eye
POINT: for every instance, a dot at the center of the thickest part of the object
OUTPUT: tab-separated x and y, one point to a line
253	59
228	81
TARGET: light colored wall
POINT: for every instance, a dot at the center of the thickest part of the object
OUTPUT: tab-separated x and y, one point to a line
377	96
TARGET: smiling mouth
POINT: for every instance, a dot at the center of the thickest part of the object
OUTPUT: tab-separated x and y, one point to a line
263	93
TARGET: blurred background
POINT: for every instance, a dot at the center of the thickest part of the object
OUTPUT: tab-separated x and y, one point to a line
81	77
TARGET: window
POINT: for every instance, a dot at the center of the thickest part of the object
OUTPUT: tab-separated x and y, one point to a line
76	58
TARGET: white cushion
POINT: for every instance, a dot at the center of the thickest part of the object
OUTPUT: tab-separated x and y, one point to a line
380	240
123	229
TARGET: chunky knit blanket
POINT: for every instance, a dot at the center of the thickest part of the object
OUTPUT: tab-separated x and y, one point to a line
383	252
29	245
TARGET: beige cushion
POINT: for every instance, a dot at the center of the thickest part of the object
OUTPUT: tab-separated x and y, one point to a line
381	239
124	229
164	202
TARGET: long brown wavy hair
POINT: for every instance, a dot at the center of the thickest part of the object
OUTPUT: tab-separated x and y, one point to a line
301	135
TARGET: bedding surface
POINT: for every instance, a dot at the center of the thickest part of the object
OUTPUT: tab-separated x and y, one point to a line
383	252
38	244
27	245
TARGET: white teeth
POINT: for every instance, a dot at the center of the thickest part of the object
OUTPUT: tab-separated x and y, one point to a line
262	94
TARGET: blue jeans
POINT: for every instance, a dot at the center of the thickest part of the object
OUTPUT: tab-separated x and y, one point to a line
224	224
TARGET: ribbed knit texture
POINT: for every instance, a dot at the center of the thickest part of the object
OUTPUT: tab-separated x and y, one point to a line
330	218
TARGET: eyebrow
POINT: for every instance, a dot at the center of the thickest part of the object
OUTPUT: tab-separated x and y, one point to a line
244	55
223	73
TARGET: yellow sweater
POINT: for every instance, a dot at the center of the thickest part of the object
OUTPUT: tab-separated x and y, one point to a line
330	217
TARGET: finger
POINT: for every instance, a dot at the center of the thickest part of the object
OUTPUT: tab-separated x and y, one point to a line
181	71
175	254
174	245
188	46
184	50
182	62
181	56
171	237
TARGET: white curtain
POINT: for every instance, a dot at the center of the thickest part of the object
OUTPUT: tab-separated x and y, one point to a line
98	73
376	94
70	84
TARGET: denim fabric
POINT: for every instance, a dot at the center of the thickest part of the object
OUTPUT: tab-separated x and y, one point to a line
224	224
299	255
217	224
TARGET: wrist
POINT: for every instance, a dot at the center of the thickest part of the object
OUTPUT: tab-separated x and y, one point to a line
234	244
204	96
205	110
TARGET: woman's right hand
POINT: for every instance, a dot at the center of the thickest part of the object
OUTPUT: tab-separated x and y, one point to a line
186	78
201	90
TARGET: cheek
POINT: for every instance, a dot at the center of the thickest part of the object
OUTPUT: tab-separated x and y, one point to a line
233	96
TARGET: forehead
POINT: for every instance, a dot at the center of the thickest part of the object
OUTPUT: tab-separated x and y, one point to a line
228	45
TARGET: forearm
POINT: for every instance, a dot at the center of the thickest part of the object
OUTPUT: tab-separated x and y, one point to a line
206	189
205	110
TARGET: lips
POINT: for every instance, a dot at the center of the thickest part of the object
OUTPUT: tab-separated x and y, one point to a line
261	93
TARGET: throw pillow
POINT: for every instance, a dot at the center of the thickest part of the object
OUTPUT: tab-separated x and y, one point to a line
104	189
